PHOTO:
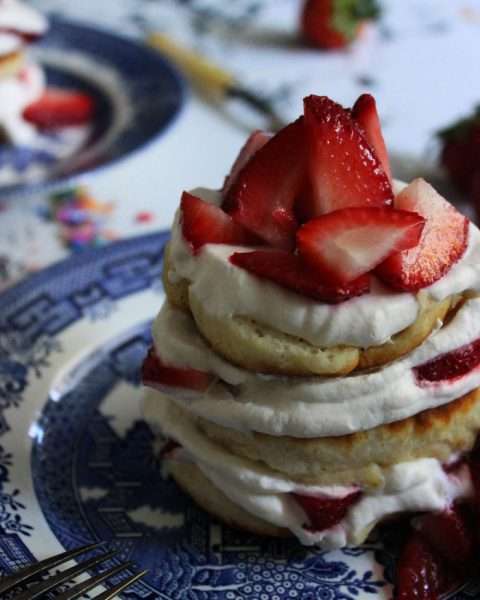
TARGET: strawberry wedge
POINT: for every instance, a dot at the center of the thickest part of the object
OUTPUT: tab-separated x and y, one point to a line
364	112
60	108
419	572
204	223
343	169
257	140
263	196
443	242
289	271
156	374
346	243
324	512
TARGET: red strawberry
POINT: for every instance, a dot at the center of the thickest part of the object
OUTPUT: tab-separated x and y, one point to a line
419	572
335	23
262	197
450	366
156	374
324	512
450	534
444	240
461	150
347	243
60	108
257	140
365	113
27	36
289	271
343	169
169	446
205	223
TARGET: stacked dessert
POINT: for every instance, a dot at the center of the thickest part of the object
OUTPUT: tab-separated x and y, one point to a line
22	80
316	362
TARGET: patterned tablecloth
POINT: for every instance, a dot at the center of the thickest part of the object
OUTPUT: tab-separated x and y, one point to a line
421	61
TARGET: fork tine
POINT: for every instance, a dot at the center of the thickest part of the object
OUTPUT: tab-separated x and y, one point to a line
89	584
63	577
112	592
25	574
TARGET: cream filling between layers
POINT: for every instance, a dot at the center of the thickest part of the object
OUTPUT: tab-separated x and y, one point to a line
312	406
224	290
16	93
420	485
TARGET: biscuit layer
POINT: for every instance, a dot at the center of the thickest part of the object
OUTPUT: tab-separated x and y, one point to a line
360	457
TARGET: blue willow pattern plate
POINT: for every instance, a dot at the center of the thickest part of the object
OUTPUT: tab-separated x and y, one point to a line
77	462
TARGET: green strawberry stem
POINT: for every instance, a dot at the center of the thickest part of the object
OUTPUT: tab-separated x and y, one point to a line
346	15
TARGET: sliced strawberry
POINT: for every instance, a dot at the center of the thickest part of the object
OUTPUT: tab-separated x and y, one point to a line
60	108
156	374
27	36
324	512
289	271
450	366
365	113
169	446
418	574
449	533
347	243
257	140
263	196
343	169
204	223
443	242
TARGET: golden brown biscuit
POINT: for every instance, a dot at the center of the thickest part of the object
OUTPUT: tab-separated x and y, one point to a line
363	456
257	347
11	63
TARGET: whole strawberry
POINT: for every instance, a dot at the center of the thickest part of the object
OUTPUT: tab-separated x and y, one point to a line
331	24
460	154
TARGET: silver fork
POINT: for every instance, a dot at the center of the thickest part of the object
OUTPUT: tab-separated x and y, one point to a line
24	575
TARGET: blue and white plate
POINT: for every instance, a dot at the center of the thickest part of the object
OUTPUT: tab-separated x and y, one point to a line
137	95
77	463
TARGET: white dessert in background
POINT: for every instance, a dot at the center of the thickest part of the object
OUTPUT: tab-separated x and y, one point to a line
22	80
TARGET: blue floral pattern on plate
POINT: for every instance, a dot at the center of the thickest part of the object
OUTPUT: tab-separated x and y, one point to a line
70	407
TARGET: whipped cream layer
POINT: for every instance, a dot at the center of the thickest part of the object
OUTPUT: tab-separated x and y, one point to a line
16	93
224	290
420	485
9	44
19	17
313	406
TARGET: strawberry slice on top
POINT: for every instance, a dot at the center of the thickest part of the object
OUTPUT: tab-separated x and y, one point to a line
443	242
204	223
60	108
256	140
290	271
262	197
343	169
349	242
365	113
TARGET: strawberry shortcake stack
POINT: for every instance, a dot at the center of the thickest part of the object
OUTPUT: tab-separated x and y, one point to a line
316	363
22	80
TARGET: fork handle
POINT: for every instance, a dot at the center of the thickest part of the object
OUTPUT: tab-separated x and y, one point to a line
204	74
